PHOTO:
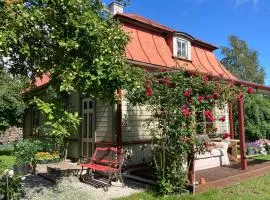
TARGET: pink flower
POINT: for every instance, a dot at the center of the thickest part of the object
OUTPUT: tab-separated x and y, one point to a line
240	96
209	115
216	95
185	111
222	118
187	92
166	80
250	90
148	89
200	98
226	135
205	79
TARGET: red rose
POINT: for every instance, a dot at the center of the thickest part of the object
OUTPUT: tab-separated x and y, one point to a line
187	92
167	81
250	90
205	79
148	89
209	115
222	118
200	98
240	96
185	111
226	135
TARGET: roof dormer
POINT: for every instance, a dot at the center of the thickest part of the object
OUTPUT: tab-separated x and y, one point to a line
182	46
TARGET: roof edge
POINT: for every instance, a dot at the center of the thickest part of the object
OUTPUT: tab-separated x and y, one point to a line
150	25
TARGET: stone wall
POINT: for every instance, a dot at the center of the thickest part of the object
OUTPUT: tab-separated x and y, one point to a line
11	135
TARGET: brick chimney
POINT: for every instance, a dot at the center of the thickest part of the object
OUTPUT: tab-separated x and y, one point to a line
115	8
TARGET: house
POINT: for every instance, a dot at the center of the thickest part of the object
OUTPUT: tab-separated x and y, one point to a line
152	46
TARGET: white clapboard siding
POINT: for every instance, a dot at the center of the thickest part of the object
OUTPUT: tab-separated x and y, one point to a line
134	121
137	154
222	127
104	122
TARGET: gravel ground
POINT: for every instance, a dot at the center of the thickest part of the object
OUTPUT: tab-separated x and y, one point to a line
70	188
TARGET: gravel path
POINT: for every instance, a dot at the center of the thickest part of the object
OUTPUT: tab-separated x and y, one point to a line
70	188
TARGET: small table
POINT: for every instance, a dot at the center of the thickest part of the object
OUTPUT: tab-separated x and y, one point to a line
64	169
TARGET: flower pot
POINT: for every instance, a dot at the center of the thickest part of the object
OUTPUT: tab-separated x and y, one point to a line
22	169
251	152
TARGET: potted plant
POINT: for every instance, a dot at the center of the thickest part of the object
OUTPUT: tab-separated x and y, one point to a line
24	152
252	148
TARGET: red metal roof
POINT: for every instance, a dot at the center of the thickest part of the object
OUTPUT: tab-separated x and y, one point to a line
150	47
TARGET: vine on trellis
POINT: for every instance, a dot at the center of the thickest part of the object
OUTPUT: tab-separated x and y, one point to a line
173	99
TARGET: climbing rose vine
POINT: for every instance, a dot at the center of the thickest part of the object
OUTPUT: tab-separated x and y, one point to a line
175	101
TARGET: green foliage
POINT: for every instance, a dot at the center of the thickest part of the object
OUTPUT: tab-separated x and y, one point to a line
59	122
6	162
174	99
11	102
242	61
77	43
257	117
10	186
25	151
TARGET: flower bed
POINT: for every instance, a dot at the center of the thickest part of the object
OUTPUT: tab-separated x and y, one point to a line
47	157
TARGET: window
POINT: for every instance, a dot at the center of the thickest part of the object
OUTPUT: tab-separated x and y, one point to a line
182	48
35	115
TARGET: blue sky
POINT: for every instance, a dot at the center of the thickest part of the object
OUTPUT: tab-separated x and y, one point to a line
214	20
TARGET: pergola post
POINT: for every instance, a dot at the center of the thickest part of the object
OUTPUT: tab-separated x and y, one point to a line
231	120
242	132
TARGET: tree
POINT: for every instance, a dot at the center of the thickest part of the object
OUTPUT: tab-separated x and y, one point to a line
11	102
77	43
242	61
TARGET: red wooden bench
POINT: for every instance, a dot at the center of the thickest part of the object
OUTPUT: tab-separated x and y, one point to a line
105	160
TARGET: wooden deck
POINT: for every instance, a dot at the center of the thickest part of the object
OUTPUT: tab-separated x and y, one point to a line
220	177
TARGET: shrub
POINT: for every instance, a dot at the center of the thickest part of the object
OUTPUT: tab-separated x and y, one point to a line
25	151
10	185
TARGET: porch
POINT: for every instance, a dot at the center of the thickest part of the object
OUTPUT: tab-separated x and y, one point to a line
220	177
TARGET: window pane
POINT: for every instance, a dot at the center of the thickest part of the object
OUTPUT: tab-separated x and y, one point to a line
90	104
85	105
85	125
89	149
84	149
179	48
90	125
184	49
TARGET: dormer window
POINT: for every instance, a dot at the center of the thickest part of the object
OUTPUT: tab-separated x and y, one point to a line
181	47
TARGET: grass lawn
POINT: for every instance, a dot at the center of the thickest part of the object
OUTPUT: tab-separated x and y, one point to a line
257	188
6	158
262	157
6	162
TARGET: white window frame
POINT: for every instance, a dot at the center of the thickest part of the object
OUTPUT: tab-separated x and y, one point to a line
176	48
